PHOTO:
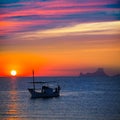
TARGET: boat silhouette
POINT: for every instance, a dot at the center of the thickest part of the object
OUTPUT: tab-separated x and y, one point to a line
45	91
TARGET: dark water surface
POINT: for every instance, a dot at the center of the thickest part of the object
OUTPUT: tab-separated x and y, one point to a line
81	99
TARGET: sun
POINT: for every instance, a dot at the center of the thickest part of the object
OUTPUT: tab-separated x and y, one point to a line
13	72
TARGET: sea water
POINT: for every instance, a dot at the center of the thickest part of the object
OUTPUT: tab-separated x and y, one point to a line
82	98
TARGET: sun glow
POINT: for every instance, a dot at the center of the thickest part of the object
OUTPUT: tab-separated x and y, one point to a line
13	72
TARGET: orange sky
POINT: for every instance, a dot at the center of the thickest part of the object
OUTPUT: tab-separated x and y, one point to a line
66	54
68	39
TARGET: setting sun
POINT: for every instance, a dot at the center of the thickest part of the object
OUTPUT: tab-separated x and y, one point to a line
13	72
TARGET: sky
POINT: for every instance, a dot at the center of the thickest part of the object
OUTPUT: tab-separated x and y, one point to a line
59	37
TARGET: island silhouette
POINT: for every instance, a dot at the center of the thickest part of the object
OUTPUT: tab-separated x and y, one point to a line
98	73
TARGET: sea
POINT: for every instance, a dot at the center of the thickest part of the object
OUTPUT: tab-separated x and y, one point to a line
81	98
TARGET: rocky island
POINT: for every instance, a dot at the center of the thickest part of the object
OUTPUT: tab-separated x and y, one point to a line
98	73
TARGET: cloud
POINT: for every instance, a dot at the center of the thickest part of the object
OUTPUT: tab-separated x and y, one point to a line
69	34
55	13
89	35
83	29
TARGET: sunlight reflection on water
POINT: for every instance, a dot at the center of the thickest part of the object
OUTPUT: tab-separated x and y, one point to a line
100	100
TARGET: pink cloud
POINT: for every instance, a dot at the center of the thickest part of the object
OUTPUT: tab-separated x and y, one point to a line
12	26
56	12
49	9
62	7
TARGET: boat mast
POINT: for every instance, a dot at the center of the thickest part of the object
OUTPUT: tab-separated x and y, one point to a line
33	81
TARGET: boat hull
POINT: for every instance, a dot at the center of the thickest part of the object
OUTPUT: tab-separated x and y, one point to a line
35	94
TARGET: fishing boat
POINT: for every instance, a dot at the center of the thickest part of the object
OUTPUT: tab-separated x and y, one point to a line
45	91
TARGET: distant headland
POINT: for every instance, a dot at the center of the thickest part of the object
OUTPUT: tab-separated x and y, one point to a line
98	73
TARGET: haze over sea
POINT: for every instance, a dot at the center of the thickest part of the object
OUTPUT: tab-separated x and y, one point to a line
82	98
